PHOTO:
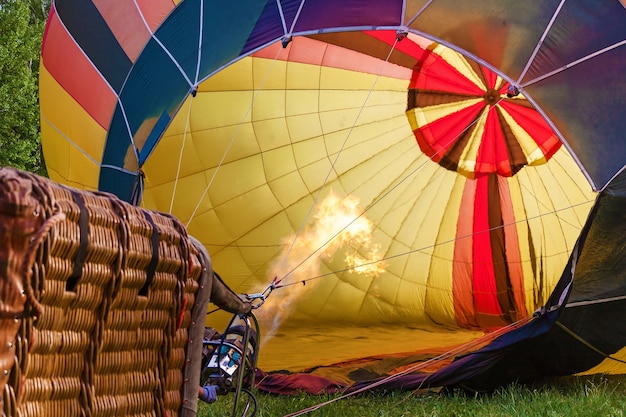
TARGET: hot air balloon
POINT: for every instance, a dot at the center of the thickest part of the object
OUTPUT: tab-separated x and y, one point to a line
395	177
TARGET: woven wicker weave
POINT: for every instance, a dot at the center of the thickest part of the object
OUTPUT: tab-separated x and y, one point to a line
103	295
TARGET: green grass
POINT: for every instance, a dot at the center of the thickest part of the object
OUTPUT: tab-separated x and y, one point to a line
585	396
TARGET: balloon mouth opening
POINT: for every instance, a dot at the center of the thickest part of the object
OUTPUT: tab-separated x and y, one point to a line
491	97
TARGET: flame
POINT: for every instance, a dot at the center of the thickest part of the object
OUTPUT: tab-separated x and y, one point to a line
337	224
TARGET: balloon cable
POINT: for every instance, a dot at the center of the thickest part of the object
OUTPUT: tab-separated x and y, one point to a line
465	348
180	155
194	89
540	42
330	171
234	136
386	258
405	178
277	282
588	344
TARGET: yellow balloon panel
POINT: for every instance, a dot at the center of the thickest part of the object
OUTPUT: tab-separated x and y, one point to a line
325	345
166	162
303	77
615	365
218	109
271	134
301	102
269	104
279	163
209	229
310	152
303	127
76	164
235	78
243	214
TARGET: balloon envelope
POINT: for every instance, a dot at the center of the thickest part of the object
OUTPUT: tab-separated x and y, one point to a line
293	146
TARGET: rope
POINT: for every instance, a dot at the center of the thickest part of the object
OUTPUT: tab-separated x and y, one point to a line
586	343
31	252
451	353
393	188
232	140
194	90
330	171
424	248
180	156
277	281
539	44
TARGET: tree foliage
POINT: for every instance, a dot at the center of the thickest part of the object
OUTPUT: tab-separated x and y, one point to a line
21	30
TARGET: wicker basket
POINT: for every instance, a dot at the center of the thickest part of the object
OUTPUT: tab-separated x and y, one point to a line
102	295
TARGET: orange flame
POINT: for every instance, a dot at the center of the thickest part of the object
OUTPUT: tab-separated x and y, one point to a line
338	223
